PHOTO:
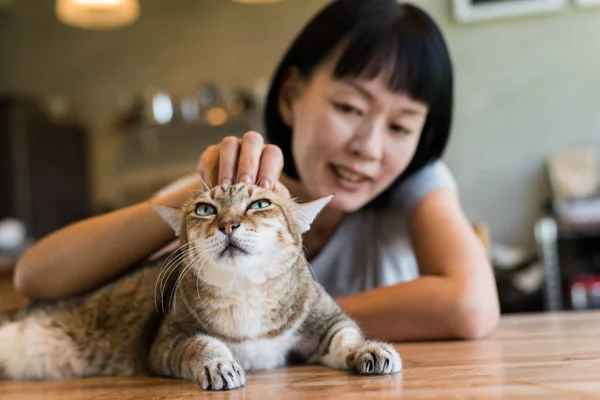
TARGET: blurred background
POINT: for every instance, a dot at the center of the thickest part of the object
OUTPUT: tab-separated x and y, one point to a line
100	111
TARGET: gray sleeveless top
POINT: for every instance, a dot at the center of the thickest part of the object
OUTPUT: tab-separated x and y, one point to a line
372	248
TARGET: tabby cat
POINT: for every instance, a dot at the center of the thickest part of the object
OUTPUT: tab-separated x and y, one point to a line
236	296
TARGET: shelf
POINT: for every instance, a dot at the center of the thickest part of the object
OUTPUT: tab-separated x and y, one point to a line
162	146
153	156
567	229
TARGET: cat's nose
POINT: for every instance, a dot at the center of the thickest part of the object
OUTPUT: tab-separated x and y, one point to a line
228	227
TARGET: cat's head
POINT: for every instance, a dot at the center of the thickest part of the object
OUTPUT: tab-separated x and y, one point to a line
241	231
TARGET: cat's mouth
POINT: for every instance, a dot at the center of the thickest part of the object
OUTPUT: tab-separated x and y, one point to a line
231	250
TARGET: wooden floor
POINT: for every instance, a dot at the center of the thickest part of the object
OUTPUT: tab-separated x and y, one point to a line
535	356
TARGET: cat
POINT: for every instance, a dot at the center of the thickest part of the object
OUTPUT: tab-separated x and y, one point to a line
238	295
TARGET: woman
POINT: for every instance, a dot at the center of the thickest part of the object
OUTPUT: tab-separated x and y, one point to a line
360	106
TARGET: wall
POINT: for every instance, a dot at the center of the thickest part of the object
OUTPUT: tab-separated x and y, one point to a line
525	87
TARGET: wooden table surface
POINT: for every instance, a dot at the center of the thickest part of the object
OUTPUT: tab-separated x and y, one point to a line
543	356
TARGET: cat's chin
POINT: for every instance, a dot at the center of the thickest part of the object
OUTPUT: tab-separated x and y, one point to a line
241	270
232	273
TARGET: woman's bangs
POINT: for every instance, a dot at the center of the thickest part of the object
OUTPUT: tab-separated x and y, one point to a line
406	63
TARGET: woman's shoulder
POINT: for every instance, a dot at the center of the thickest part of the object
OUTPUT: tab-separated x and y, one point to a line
433	176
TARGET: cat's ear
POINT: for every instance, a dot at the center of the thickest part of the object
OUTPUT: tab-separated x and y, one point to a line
172	216
307	212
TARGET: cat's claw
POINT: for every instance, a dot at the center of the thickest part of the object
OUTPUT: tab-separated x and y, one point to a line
222	374
374	358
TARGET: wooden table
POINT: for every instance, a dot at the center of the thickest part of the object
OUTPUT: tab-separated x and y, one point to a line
543	356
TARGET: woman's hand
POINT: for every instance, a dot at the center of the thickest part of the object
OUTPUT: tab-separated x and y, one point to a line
246	160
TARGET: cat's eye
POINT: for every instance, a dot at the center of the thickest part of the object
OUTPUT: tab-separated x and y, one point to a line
258	204
205	210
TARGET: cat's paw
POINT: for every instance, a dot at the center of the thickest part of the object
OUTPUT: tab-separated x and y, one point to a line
374	358
221	374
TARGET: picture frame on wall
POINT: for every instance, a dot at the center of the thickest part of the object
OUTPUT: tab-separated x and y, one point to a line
587	3
466	11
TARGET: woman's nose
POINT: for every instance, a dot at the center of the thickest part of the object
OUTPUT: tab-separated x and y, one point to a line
367	141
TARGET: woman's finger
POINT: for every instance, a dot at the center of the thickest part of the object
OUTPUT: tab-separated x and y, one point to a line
250	154
228	157
271	165
208	167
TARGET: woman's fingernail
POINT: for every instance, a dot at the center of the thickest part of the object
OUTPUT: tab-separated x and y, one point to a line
266	184
226	182
245	179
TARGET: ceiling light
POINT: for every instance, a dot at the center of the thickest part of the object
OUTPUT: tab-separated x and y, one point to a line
97	14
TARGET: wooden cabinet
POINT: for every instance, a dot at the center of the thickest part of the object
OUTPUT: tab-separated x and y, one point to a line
44	179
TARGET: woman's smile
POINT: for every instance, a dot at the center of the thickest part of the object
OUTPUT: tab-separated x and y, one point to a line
347	178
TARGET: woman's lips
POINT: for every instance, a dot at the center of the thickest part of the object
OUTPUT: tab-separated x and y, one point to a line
348	179
349	174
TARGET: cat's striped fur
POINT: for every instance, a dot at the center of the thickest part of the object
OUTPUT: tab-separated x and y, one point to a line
243	298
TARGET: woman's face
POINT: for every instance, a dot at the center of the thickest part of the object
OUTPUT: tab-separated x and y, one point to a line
351	138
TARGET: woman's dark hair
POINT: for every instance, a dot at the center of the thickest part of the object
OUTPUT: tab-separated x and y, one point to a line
399	41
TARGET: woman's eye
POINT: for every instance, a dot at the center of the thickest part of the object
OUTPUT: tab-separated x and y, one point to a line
399	129
263	203
205	210
347	108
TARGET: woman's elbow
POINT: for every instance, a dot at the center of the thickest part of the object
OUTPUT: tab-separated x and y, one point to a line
475	317
26	281
21	280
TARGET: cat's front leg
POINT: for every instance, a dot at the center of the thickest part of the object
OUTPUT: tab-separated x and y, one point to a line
199	358
332	338
347	349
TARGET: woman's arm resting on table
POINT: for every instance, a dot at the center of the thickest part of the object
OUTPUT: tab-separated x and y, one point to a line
88	253
455	297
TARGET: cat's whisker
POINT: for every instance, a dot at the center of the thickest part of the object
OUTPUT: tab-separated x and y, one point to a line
197	279
208	188
170	265
161	275
260	177
310	266
191	265
203	256
174	263
197	285
175	290
174	252
186	268
305	249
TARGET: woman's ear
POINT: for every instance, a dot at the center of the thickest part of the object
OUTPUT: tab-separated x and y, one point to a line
289	90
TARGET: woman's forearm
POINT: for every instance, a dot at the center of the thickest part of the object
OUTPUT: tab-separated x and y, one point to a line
430	307
88	253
